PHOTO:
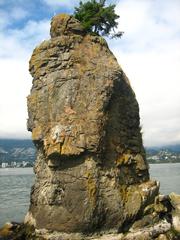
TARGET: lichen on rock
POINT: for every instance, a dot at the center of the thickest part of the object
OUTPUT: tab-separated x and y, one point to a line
64	24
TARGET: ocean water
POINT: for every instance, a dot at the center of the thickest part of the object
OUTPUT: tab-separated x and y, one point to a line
15	185
168	174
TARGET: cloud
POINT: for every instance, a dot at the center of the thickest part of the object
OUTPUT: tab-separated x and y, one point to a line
14	89
15	81
63	3
18	13
3	20
148	52
18	43
8	18
2	2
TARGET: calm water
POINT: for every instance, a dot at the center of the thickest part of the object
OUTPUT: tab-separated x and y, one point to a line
15	187
169	176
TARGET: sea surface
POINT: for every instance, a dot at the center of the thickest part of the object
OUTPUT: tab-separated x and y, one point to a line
15	186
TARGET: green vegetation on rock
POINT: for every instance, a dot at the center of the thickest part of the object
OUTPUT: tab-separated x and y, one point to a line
98	18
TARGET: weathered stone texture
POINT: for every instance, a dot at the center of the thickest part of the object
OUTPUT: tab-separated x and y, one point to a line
64	24
91	171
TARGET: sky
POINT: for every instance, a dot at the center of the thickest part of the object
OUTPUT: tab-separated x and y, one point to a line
148	52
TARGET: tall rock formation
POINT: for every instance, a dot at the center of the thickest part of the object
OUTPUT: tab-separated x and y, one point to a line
91	171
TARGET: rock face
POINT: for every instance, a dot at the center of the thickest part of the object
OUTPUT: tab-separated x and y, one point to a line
175	201
91	171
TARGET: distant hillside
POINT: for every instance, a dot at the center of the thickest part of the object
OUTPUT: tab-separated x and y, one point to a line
11	143
163	154
16	150
172	148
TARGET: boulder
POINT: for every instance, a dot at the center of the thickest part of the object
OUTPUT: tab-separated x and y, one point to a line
91	170
175	201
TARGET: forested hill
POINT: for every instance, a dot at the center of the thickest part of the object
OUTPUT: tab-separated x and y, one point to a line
16	150
163	154
171	148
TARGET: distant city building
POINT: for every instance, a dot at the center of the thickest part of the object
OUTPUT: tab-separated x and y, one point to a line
23	163
19	164
13	164
4	165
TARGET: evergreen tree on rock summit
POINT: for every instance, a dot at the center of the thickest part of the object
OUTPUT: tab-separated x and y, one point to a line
97	18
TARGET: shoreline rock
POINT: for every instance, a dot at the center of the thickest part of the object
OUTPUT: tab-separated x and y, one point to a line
91	169
158	223
92	179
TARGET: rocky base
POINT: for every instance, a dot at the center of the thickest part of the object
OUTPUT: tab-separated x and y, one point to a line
160	231
160	221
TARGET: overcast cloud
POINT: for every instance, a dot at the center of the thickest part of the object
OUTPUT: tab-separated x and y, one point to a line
62	3
149	53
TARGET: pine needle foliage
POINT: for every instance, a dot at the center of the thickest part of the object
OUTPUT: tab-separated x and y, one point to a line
97	18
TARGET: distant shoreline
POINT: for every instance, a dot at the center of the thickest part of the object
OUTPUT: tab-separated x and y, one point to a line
7	168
